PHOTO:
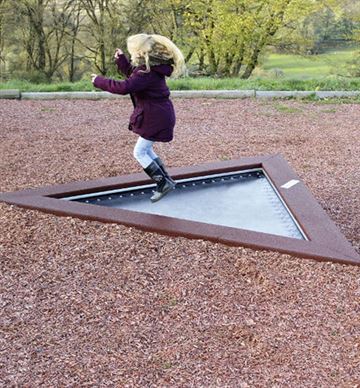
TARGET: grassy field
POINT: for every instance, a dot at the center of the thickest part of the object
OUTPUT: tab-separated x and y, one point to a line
305	67
259	83
324	83
278	72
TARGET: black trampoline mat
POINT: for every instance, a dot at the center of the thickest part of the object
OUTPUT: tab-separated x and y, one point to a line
241	199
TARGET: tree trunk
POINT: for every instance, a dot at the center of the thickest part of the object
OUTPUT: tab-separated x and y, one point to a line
252	63
189	54
236	67
39	29
2	6
237	61
74	32
201	59
72	61
103	68
36	48
212	61
2	44
226	71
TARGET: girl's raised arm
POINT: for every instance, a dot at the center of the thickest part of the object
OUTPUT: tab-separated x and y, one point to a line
135	83
123	64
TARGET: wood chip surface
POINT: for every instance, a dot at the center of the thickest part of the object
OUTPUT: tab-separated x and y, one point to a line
102	305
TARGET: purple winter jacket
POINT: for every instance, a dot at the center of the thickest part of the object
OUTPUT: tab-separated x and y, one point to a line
153	117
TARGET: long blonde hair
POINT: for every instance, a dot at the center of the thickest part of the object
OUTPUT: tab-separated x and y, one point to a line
141	46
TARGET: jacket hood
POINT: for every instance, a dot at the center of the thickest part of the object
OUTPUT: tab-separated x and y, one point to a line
163	69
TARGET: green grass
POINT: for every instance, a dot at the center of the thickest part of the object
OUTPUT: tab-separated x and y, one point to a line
26	86
286	109
329	110
324	83
332	101
303	67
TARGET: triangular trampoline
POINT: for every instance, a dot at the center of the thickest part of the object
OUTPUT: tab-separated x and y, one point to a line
253	202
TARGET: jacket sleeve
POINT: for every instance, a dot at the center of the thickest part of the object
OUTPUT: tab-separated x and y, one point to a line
123	65
136	83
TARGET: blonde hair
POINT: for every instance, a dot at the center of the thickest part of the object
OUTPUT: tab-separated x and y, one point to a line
141	46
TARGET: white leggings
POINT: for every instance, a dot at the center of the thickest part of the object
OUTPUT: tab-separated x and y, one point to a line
143	152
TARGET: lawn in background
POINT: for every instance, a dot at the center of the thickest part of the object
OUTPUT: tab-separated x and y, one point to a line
278	72
303	67
324	83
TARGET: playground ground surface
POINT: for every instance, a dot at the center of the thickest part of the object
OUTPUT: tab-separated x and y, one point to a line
86	303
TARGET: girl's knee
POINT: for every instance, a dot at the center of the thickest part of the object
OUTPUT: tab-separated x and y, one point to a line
141	152
138	153
143	149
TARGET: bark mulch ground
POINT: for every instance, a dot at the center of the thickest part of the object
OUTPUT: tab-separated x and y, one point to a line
91	304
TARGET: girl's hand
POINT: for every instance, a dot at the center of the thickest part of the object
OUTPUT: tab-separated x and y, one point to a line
93	76
118	52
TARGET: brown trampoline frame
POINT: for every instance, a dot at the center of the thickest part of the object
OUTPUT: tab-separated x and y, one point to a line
325	241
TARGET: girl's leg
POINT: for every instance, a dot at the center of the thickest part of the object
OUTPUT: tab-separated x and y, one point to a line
152	154
143	152
160	163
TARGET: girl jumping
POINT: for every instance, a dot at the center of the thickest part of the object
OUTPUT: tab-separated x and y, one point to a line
153	57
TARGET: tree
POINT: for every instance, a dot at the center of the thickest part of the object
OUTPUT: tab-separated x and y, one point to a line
352	10
74	24
234	33
44	28
104	27
322	29
268	18
35	38
200	18
48	39
3	12
60	17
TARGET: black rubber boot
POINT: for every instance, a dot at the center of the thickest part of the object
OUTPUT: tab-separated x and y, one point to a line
164	185
162	166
